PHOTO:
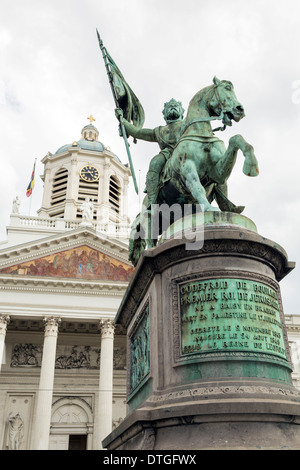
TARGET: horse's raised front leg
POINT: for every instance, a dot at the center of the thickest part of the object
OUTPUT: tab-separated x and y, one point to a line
225	163
250	167
191	180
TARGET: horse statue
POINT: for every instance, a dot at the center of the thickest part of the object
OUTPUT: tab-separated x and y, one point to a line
198	169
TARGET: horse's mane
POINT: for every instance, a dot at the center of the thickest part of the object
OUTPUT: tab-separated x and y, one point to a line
200	94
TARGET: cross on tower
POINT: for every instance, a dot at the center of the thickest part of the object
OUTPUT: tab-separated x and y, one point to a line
91	118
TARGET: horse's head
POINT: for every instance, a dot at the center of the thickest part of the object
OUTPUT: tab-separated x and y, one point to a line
223	99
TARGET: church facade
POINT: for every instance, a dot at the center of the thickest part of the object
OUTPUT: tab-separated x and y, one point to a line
63	274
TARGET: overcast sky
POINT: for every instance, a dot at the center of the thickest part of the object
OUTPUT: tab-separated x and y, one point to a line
52	77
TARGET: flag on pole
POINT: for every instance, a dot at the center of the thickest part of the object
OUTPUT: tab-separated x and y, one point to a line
31	184
125	98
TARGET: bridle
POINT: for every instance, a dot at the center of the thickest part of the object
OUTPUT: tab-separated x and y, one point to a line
211	118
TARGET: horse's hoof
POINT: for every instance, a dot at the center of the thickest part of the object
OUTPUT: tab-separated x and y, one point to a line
238	209
250	169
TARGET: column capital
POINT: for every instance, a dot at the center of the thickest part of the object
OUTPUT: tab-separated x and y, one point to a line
4	321
51	325
107	327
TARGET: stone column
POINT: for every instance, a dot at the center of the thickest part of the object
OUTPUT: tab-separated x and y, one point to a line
46	201
72	189
103	195
105	188
106	380
4	321
44	399
125	199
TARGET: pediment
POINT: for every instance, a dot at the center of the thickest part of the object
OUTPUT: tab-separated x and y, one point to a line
77	255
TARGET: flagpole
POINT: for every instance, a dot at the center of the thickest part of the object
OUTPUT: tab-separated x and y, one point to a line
32	188
123	132
29	206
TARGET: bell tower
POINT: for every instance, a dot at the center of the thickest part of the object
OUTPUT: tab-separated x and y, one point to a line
85	171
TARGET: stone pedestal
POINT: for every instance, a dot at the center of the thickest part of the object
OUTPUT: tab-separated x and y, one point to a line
208	358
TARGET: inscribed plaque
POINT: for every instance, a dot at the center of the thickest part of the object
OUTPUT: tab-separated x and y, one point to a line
230	315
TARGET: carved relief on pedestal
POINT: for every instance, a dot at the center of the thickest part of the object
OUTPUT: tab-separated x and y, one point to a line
139	351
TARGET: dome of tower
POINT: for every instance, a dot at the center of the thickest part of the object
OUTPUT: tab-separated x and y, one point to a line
89	139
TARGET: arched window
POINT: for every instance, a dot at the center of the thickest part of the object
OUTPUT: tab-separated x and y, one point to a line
114	194
59	187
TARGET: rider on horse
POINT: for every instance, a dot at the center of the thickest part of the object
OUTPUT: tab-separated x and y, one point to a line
166	136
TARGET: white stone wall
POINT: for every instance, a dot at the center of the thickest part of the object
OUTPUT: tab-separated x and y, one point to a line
293	330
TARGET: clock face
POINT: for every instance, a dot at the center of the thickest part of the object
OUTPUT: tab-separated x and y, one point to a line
89	173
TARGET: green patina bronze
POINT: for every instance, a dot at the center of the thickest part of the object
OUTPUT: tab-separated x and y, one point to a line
140	353
166	136
193	164
198	221
223	315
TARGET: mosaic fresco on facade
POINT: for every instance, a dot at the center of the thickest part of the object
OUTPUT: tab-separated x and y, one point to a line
81	262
